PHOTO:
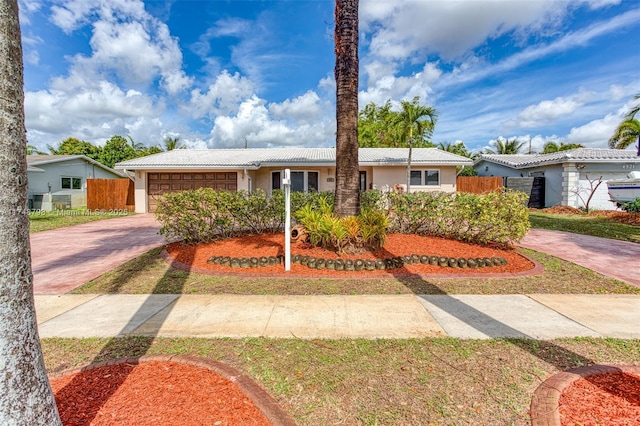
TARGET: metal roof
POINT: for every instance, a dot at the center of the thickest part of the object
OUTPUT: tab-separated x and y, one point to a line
254	158
586	155
39	160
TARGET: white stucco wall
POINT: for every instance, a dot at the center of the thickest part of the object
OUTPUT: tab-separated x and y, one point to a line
566	183
392	175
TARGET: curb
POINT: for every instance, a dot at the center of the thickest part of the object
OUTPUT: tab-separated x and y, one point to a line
545	409
265	402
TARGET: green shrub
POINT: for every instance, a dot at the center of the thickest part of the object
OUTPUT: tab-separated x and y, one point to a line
497	217
633	206
204	215
344	235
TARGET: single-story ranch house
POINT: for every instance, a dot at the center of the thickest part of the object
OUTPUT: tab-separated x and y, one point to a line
312	169
60	181
567	174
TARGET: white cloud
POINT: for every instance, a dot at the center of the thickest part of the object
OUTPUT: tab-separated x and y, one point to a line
402	87
94	114
222	96
546	111
276	124
126	42
596	133
450	28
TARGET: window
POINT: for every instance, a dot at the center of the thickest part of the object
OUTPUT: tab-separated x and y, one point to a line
363	180
275	180
416	177
71	183
425	177
301	181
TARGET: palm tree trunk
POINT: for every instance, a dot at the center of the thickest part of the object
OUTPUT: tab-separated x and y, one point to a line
347	200
25	395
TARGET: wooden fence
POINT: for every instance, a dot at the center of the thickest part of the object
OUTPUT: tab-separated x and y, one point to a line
110	194
478	184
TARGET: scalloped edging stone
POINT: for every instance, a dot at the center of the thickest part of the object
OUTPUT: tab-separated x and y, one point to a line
545	404
359	265
262	400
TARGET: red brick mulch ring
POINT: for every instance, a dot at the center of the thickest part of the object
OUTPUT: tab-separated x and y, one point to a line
592	395
163	390
195	257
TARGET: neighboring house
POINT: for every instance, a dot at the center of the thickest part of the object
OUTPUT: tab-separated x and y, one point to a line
568	175
312	169
60	181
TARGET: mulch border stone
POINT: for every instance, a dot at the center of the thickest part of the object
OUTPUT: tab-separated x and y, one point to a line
265	402
536	270
545	408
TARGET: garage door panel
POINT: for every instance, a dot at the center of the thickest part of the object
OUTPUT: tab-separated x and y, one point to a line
162	183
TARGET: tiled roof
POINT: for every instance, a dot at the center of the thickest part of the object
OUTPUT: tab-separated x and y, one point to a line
587	155
255	158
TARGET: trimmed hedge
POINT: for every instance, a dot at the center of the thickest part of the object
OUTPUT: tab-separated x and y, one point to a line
500	218
203	215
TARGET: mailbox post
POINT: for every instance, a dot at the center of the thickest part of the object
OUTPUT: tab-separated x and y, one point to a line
286	183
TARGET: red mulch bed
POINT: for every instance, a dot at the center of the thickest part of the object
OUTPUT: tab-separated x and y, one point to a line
396	245
612	215
153	393
602	399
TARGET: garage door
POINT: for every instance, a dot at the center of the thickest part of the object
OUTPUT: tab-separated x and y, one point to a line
163	183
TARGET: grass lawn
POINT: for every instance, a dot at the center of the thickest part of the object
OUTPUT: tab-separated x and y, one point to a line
45	221
439	381
378	382
596	226
151	274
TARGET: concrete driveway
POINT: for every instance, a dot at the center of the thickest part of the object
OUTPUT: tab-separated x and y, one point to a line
65	258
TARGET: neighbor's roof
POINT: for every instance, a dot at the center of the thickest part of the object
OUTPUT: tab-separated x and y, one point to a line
40	160
254	158
586	155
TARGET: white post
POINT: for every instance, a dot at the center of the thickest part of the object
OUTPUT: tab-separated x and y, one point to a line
286	182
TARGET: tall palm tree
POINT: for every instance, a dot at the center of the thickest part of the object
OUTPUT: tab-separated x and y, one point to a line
26	396
626	134
415	121
171	143
347	195
636	109
505	146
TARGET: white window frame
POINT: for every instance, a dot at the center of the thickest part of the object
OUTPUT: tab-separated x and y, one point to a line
423	177
305	182
72	178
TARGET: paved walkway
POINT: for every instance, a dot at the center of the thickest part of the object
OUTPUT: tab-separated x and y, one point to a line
66	258
613	258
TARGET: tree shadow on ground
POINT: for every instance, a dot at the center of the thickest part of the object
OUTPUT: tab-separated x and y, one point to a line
547	351
149	308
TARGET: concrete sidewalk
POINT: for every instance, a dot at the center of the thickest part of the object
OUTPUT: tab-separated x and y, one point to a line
371	316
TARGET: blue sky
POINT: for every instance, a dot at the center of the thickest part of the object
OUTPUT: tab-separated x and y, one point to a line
219	73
